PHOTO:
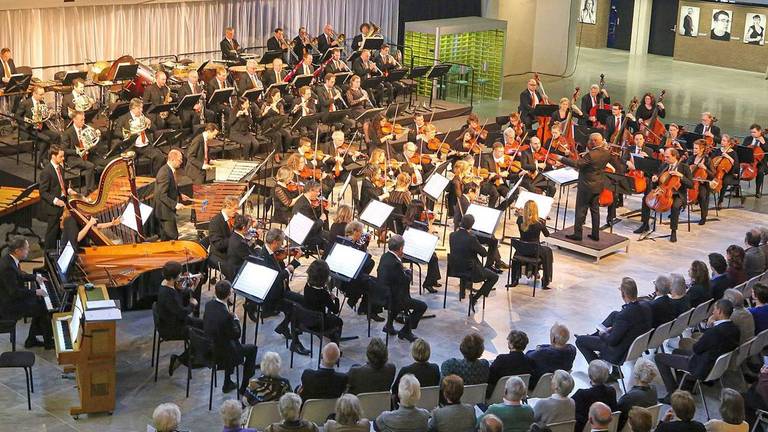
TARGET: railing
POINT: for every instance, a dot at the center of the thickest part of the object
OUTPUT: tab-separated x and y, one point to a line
446	80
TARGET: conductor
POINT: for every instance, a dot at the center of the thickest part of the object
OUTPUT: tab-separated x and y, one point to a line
591	181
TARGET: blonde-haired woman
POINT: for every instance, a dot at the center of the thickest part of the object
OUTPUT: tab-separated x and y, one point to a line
531	228
460	170
564	108
284	195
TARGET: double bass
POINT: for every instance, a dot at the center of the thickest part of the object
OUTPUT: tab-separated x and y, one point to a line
543	132
654	129
600	104
568	129
622	133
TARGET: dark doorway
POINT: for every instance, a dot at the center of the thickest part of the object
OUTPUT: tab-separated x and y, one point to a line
622	12
663	25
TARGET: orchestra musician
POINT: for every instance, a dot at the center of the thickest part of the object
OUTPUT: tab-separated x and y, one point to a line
230	49
302	44
358	100
276	75
159	94
465	247
373	186
674	167
39	132
17	301
53	193
376	137
175	307
305	106
9	67
140	140
71	232
386	63
335	64
217	83
168	199
277	41
591	169
188	117
496	186
461	170
416	132
475	130
516	124
68	100
311	205
707	127
700	160
365	68
413	166
673	139
565	108
318	298
418	217
638	150
756	138
357	41
273	118
328	96
199	154
220	229
396	280
249	80
305	67
327	39
469	196
531	229
400	198
239	247
728	150
71	142
363	287
529	98
645	110
341	156
240	125
284	195
592	99
615	121
531	161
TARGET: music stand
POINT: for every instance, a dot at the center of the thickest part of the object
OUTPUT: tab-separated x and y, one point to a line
376	214
253	281
419	245
327	54
188	102
369	114
299	228
252	94
17	83
372	43
342	77
372	82
746	154
126	72
435	185
544	110
307	121
396	75
118	110
345	262
70	76
486	219
201	67
282	86
268	56
334	117
157	109
221	96
24	193
438	71
302	80
649	166
168	137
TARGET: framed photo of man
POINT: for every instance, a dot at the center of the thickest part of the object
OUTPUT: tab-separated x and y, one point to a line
588	12
721	25
754	29
689	21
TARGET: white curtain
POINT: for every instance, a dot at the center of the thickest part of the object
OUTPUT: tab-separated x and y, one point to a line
40	37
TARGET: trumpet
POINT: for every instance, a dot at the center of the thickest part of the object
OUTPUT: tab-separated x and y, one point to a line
136	126
89	137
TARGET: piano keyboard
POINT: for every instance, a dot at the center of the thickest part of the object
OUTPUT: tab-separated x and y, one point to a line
47	298
63	334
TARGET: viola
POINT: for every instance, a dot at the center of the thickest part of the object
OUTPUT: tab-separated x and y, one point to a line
426	215
392	128
509	163
420	158
438	146
283	253
318	202
544	156
384	181
308	173
316	155
661	198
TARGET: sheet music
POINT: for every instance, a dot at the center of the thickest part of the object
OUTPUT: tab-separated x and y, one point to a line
543	202
246	196
298	228
419	244
77	317
376	213
345	260
111	314
101	304
129	218
562	175
65	258
486	218
255	280
435	186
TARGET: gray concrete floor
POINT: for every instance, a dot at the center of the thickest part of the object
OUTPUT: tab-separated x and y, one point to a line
583	292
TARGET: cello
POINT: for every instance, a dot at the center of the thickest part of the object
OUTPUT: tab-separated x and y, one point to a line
749	169
600	104
654	129
662	197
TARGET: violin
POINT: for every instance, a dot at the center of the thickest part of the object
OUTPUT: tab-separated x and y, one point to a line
308	173
509	163
661	198
393	128
316	155
293	186
422	158
545	156
285	252
318	202
384	181
438	146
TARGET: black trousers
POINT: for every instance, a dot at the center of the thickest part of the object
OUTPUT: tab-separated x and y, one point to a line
417	308
43	139
53	229
41	323
248	361
87	170
728	180
666	362
678	203
494	257
589	346
587	200
489	279
703	199
168	229
547	261
248	141
539	184
433	272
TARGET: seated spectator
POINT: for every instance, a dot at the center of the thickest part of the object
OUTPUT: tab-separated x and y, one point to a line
699	291
662	308
270	385
740	316
558	407
679	294
720	338
621	329
599	391
734	256
471	368
408	417
599	417
558	354
166	417
760	310
754	258
325	382
640	420
289	407
642	394
680	417
756	397
376	375
514	415
349	416
490	423
720	280
764	244
231	412
427	373
732	412
454	416
514	363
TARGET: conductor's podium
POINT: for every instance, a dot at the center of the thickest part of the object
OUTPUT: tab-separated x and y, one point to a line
85	344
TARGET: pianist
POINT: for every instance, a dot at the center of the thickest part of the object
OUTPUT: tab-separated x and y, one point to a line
17	301
175	306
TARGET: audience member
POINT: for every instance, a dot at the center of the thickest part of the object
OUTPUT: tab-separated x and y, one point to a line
558	407
734	256
599	391
407	417
680	417
732	413
558	354
740	316
514	363
721	338
490	423
231	412
698	290
514	415
270	385
760	310
471	368
756	397
376	375
599	417
642	394
640	420
662	308
679	293
754	258
325	382
427	373
166	417
719	281
349	416
764	244
289	407
454	416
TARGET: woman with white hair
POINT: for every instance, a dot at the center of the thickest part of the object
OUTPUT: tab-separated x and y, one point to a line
407	416
598	372
558	407
270	386
642	393
679	293
290	413
231	413
349	416
514	415
166	417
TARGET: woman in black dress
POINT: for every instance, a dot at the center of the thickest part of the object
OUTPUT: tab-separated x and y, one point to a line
531	228
339	225
645	110
319	299
417	217
272	119
400	198
565	108
284	195
240	123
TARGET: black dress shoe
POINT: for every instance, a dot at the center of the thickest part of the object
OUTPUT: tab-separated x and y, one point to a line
299	349
34	342
594	238
437	285
389	330
376	317
573	237
546	287
702	221
502	265
173	365
284	332
513	283
409	336
673	237
472	303
430	289
228	386
643	228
